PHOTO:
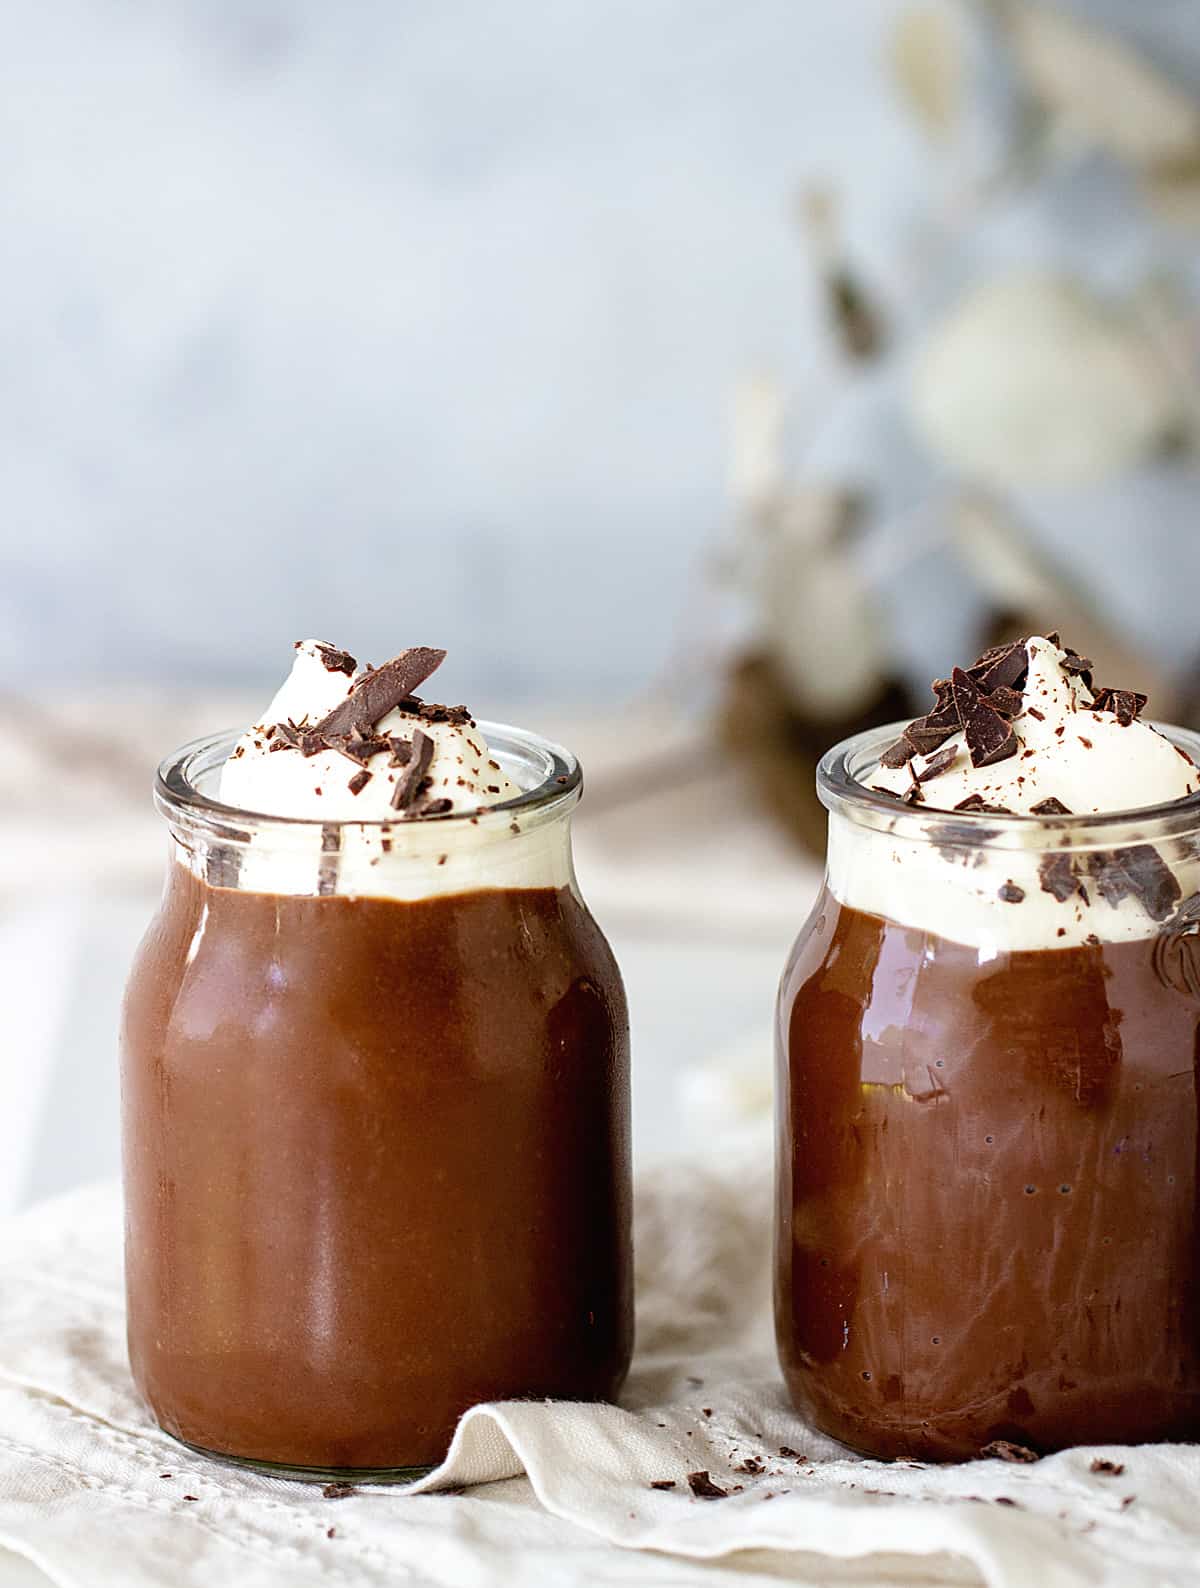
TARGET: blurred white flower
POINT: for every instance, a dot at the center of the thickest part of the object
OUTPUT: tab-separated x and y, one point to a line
1099	87
1034	381
926	56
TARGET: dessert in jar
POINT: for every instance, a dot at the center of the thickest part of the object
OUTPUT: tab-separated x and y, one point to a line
374	1085
987	1224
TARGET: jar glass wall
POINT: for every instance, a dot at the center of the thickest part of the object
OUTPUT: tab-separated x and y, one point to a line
376	1126
987	1126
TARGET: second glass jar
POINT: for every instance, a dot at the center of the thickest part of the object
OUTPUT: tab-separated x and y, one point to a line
987	1224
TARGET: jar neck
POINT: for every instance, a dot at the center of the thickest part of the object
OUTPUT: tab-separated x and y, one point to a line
522	843
1008	883
407	860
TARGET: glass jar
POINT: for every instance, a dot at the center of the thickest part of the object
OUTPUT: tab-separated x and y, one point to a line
375	1096
987	1141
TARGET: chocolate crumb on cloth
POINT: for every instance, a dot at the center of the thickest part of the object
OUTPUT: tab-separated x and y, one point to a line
704	1488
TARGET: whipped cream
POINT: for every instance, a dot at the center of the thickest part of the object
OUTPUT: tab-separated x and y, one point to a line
364	838
1071	756
326	786
1066	751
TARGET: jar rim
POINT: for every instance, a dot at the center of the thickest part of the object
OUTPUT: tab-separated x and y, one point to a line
178	796
841	791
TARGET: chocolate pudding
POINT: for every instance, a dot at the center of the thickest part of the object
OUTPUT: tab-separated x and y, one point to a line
988	1211
376	1132
988	1089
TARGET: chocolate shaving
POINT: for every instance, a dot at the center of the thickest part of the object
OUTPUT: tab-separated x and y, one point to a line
704	1488
458	715
335	661
937	764
437	808
359	781
1126	704
1005	1450
1110	1469
360	746
401	751
339	1491
408	784
989	738
1138	872
1010	893
1032	711
1049	807
663	1483
378	692
308	741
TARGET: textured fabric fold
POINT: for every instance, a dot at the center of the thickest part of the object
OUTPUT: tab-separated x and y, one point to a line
95	1495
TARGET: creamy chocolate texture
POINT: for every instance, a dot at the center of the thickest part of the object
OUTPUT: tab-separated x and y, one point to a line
988	1199
376	1117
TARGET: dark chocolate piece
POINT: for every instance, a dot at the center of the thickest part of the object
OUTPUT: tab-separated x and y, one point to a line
1049	807
1057	875
930	732
704	1488
437	808
1005	1450
1010	893
359	781
898	753
339	1491
1138	872
335	661
377	692
1077	666
663	1483
1126	704
938	762
976	802
408	784
1007	702
989	738
1110	1469
1001	667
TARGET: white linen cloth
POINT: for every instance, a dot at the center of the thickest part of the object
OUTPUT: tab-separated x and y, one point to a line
93	1495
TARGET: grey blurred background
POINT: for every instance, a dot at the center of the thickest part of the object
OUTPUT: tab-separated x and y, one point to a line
391	321
704	376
